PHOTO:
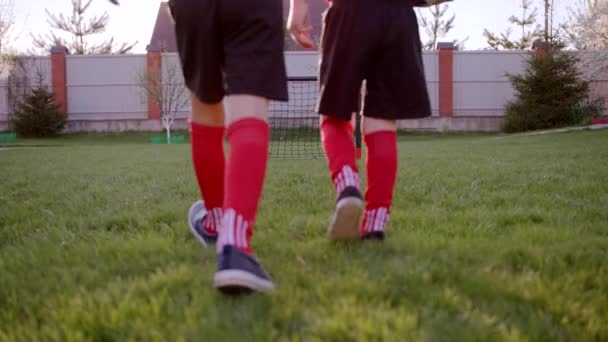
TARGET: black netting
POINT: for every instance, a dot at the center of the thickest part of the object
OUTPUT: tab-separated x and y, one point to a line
295	125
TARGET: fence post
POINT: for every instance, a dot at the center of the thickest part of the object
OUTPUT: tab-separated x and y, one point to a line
59	76
446	79
541	48
153	67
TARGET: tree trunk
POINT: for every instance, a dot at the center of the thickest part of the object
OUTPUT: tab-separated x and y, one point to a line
168	135
547	20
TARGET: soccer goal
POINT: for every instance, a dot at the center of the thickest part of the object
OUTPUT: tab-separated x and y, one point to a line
295	124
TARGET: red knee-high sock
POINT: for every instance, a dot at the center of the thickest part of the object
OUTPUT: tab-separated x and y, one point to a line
339	147
381	167
208	159
245	171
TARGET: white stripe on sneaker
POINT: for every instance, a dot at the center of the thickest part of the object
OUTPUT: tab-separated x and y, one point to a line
379	223
237	231
213	220
229	226
345	178
218	217
374	216
233	230
244	234
376	220
348	174
340	183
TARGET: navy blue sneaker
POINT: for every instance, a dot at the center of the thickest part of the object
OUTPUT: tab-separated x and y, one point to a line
373	236
346	221
239	273
196	218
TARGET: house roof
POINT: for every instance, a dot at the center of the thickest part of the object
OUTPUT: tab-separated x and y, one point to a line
163	36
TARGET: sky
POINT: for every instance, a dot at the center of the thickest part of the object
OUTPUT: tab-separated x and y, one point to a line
134	19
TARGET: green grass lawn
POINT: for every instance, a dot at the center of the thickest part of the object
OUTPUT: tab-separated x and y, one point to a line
491	238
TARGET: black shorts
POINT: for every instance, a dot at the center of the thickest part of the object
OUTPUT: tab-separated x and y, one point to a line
377	41
229	47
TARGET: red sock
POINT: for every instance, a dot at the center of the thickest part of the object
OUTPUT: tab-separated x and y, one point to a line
339	147
245	171
381	167
208	159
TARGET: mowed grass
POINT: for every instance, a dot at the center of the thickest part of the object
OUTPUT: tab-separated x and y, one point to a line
491	238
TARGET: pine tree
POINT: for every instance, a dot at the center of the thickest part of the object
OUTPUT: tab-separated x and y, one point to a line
38	115
526	23
548	94
555	35
436	26
79	28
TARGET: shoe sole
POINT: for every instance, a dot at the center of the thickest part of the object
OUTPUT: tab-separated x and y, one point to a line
191	212
372	237
233	282
346	222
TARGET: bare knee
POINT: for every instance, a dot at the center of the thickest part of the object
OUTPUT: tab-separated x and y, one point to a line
245	106
207	114
373	125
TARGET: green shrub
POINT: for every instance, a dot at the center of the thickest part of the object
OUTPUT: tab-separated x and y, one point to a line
588	110
38	115
549	94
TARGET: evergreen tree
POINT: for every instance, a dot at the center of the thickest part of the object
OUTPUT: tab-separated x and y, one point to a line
437	26
79	28
38	115
529	31
548	94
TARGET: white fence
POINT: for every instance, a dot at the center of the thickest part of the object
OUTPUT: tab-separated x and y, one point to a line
108	88
481	85
27	73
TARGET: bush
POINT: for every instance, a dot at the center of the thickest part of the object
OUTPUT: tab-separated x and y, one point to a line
38	115
588	110
550	94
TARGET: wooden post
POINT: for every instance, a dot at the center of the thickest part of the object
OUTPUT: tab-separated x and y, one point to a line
446	79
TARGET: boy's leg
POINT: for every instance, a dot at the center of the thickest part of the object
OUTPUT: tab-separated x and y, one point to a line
339	147
254	73
235	49
202	69
342	65
337	140
380	139
207	140
396	89
248	136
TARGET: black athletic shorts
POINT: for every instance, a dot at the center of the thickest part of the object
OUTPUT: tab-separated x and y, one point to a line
229	47
377	41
